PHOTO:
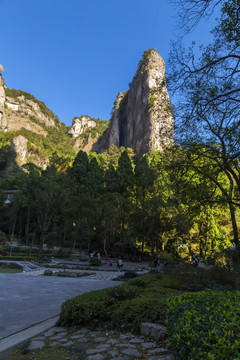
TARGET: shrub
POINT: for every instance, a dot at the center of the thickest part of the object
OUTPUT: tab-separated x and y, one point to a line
83	309
139	282
95	261
205	325
145	308
140	299
122	293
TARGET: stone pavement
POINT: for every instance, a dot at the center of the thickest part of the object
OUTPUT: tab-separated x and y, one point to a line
93	274
101	344
27	300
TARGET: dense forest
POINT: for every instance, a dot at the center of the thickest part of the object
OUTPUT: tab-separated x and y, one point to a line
122	206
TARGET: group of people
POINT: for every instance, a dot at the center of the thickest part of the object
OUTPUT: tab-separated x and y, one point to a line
119	263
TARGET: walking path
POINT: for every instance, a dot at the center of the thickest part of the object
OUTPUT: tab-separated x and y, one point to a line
26	300
100	345
30	303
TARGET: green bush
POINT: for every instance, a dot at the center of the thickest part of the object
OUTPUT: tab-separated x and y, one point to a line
144	308
85	309
95	261
122	292
205	325
137	300
138	282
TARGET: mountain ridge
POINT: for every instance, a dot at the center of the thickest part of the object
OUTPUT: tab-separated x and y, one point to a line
141	119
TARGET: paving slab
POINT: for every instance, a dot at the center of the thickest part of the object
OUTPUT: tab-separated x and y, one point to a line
28	300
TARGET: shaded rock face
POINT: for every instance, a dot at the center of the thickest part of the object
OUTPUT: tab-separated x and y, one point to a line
85	145
24	153
142	117
80	125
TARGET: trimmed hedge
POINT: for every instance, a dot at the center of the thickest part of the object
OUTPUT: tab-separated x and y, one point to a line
205	325
139	299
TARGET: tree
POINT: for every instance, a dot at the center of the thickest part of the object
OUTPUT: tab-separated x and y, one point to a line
209	97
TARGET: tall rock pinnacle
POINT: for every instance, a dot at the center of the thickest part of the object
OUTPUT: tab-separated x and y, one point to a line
142	117
3	123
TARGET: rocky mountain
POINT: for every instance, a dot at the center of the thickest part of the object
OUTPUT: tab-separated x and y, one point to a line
142	118
31	132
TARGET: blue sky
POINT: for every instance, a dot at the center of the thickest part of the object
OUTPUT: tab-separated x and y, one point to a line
76	55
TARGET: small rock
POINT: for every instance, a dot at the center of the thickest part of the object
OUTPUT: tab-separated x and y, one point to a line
84	346
49	333
94	333
158	351
131	352
113	352
148	345
127	345
100	339
40	338
74	337
81	331
56	343
36	345
103	347
112	341
92	351
58	329
136	340
95	357
69	343
82	340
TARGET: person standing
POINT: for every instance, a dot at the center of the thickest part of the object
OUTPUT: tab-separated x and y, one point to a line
120	264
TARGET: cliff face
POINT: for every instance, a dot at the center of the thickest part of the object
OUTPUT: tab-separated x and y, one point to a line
80	125
22	110
2	103
142	117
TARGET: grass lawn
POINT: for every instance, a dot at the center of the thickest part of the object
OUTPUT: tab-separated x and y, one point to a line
6	270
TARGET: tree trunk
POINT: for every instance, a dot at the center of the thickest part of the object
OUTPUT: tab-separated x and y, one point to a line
233	216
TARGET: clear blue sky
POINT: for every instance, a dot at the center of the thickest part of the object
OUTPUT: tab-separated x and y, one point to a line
76	55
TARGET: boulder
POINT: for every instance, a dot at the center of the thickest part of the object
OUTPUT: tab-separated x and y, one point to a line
153	331
48	272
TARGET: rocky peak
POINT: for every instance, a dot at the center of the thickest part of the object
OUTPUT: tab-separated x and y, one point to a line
2	103
80	125
142	117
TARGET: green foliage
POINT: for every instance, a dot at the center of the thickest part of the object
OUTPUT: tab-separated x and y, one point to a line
124	304
13	93
95	261
86	308
98	130
205	325
120	293
3	238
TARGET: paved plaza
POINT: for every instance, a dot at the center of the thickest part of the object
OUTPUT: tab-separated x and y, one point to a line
26	300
